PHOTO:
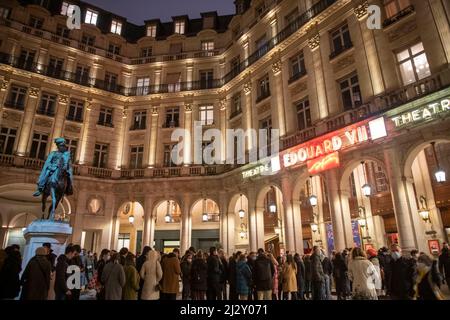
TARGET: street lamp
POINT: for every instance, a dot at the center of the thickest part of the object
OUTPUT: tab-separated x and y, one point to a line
131	219
168	217
314	227
362	220
424	212
366	188
241	211
243	232
205	217
313	200
440	173
273	208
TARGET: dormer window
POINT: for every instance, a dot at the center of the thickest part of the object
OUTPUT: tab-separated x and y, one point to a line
91	17
67	8
116	27
151	31
180	26
208	22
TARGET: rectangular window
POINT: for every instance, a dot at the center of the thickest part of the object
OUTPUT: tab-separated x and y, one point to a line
38	146
209	22
67	8
303	115
151	31
290	18
106	117
82	74
236	107
393	7
340	40
114	49
142	86
260	42
101	155
179	27
351	93
4	12
76	109
7	140
91	17
16	98
36	22
136	157
72	146
266	124
26	59
88	40
168	155
62	31
116	27
174	82
413	64
235	64
207	115
48	105
263	88
172	117
207	45
55	66
110	81
206	79
139	120
298	66
146	52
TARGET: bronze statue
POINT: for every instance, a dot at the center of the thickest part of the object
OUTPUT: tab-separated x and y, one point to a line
56	178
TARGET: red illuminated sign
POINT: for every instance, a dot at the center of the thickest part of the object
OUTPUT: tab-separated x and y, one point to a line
323	163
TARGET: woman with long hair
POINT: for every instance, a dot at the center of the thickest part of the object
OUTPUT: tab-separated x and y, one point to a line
290	278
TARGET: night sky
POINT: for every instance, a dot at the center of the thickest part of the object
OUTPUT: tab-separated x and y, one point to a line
137	11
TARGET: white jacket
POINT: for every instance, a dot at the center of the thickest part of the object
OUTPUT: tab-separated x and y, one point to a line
151	273
364	277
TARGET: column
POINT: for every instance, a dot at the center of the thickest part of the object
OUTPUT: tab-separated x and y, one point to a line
187	143
125	137
189	75
320	237
256	222
58	123
42	59
288	217
71	63
147	138
401	189
224	224
186	223
247	115
223	127
126	79
27	122
149	222
13	45
277	98
85	128
157	80
3	237
153	137
442	25
77	218
4	84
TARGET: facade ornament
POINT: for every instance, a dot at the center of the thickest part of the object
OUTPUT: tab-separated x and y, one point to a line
63	99
248	87
276	67
314	42
89	105
34	92
125	113
155	111
188	107
361	10
223	104
4	84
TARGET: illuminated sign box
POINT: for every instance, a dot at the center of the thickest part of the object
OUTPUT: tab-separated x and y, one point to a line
422	114
325	163
267	168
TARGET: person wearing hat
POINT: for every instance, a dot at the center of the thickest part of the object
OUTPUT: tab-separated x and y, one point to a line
36	277
51	173
372	255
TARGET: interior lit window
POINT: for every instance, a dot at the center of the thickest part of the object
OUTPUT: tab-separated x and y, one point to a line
116	27
179	27
413	64
151	31
392	7
67	8
91	17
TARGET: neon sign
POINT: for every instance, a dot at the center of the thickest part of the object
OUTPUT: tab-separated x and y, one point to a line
424	113
321	164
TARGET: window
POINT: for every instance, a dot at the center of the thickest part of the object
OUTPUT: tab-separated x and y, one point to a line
266	124
124	240
100	155
26	59
67	8
146	52
136	157
298	66
110	81
143	86
105	117
174	82
260	42
207	115
179	27
38	146
82	74
379	176
207	45
303	115
290	18
393	7
260	10
351	94
263	88
47	105
413	64
91	17
175	48
16	97
36	22
235	63
340	39
62	31
114	48
88	40
76	109
55	66
206	79
139	120
116	27
151	31
7	140
236	107
4	12
72	146
172	117
168	155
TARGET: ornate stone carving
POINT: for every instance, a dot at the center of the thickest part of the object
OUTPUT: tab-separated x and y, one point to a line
223	104
34	92
188	107
41	122
12	116
314	42
402	30
72	128
344	63
276	67
125	113
299	88
361	10
248	87
264	108
64	99
4	85
155	111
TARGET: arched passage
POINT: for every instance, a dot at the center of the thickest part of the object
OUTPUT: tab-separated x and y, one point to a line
131	217
205	224
238	219
167	215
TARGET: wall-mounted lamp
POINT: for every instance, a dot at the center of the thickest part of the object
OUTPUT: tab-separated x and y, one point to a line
424	212
440	173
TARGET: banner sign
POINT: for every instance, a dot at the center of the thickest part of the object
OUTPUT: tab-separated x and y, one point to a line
356	234
330	237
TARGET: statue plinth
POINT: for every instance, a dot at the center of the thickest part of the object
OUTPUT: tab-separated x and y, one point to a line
45	231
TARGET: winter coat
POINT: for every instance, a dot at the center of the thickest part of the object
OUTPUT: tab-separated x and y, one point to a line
444	263
363	275
199	275
376	264
340	274
36	279
113	277
263	273
317	273
225	270
151	274
300	274
61	275
9	275
171	274
131	283
243	278
403	274
89	268
428	283
327	266
232	273
290	277
308	266
215	270
186	273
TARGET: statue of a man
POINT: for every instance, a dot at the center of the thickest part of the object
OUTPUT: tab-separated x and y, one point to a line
56	178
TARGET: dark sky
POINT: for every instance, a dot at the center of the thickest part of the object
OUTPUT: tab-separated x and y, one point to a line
137	11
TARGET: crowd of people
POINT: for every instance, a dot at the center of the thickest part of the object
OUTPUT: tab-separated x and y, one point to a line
197	275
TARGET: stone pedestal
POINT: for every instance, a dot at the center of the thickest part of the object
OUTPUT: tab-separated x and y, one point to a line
45	231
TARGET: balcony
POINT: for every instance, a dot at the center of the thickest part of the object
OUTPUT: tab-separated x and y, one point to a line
18	105
340	50
137	127
46	112
297	76
263	95
105	124
75	118
400	15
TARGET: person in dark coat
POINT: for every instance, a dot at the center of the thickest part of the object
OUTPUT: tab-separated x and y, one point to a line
340	275
444	263
224	278
215	271
199	275
243	278
9	274
50	256
317	275
263	276
62	292
139	263
385	269
404	271
300	277
232	276
104	258
77	261
251	258
36	277
328	271
308	275
429	279
186	266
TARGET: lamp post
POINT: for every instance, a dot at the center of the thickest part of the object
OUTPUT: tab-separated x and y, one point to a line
440	173
366	188
131	219
168	217
205	216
